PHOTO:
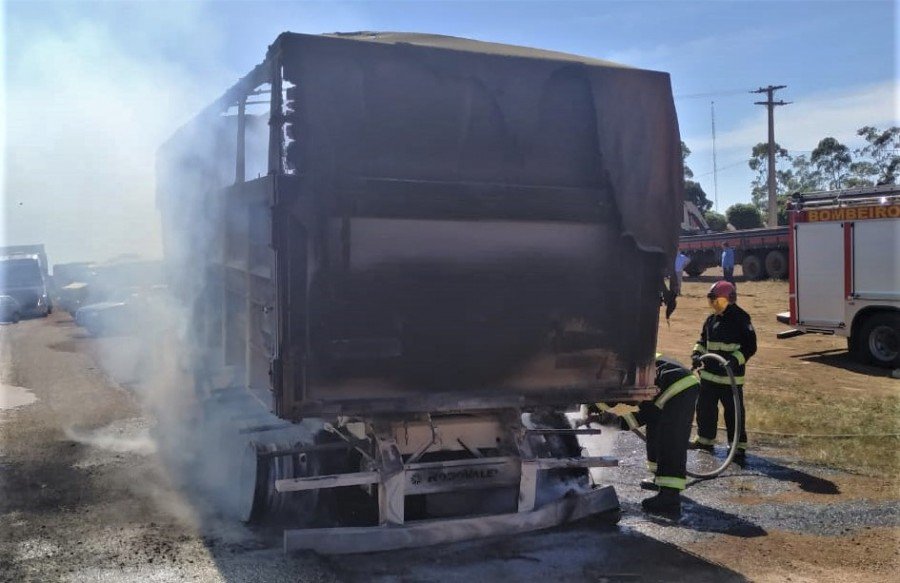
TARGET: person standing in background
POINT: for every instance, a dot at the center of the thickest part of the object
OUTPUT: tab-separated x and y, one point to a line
728	262
681	261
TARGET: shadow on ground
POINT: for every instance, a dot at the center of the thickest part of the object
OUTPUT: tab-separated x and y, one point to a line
583	552
769	468
712	278
701	518
842	359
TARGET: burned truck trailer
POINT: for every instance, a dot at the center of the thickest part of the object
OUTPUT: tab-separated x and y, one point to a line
430	246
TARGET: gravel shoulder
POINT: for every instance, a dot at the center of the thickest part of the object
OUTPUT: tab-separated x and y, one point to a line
85	496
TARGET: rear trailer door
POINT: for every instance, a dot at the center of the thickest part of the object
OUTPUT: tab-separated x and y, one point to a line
819	256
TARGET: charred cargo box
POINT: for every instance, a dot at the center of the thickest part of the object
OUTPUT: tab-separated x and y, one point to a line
384	223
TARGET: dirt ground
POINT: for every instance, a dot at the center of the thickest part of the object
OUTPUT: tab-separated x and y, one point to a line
803	386
85	496
806	386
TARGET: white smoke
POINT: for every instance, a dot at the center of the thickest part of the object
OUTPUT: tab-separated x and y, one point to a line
89	95
92	90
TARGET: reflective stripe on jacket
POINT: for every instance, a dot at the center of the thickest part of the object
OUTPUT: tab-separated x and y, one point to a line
731	336
672	378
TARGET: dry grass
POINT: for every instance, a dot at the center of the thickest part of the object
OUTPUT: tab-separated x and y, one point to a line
803	386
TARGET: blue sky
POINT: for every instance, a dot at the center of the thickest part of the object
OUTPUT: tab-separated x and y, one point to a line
92	88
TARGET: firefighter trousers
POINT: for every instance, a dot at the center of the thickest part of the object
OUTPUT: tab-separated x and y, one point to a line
667	439
711	394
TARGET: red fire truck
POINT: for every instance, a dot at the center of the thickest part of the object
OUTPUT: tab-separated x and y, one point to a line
845	270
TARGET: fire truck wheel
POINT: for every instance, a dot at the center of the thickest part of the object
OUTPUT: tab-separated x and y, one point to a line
879	339
776	264
753	267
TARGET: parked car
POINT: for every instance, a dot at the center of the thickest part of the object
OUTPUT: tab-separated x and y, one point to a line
73	296
126	313
10	310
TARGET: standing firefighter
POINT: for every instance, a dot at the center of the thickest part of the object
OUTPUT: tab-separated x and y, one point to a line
668	419
729	333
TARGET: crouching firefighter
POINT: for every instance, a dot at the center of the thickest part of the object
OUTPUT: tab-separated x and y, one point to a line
729	333
668	420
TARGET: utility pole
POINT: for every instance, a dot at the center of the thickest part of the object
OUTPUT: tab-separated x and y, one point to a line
770	104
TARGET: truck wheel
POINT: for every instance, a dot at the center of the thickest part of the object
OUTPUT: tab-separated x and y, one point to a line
878	340
259	502
694	271
753	268
776	264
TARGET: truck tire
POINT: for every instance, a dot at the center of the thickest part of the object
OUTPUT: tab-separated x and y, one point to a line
878	340
694	270
260	502
753	268
776	264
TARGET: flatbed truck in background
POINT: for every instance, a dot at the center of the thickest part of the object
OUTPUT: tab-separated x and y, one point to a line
845	270
761	253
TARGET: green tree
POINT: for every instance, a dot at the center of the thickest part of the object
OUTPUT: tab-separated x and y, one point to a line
692	190
695	193
759	163
744	216
862	173
685	152
802	176
716	221
832	159
879	159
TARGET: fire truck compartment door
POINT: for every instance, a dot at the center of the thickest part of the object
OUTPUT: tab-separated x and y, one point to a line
820	273
876	261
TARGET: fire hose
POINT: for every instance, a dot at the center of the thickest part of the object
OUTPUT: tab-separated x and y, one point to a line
737	422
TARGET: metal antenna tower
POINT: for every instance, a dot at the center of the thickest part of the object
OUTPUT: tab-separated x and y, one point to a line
712	107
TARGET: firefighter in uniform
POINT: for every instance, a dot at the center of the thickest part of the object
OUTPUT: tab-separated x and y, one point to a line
729	333
668	419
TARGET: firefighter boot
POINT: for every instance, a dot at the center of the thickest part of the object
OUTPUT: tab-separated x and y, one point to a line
667	502
707	447
649	484
740	458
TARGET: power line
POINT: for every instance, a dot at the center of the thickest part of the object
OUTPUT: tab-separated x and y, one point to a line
711	94
720	168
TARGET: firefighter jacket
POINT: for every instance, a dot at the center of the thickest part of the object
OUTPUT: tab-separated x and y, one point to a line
731	336
671	379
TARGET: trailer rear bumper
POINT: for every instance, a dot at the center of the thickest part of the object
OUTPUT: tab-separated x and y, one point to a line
348	540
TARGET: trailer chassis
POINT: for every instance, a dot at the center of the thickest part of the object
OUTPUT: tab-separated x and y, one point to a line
392	469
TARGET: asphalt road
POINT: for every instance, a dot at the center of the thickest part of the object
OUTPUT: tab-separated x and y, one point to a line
85	496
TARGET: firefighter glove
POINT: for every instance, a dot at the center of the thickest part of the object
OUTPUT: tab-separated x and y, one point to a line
607	418
696	361
732	362
648	412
